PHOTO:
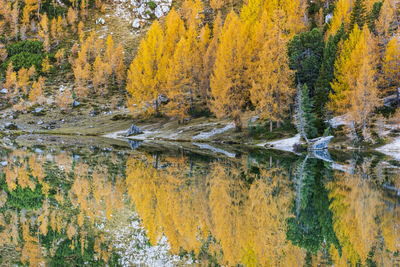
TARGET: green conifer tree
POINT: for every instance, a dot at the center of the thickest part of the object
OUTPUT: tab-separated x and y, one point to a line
373	15
326	75
358	14
305	55
308	112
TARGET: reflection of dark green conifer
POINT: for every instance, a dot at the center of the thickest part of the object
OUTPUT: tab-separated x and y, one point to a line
311	226
22	198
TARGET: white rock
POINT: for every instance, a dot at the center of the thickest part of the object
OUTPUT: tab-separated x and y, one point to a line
38	151
158	12
141	9
328	18
4	91
100	21
136	23
165	9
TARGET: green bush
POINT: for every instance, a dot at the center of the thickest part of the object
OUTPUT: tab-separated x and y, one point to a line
151	5
33	47
53	11
24	54
25	60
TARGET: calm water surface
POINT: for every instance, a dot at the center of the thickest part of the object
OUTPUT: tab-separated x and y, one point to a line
106	205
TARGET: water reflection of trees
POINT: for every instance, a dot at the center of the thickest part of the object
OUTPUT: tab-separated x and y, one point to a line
232	214
254	210
366	229
49	204
269	212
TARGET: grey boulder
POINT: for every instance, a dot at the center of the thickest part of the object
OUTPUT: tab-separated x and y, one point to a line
134	130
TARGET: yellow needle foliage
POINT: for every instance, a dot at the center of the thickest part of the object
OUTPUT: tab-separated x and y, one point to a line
229	82
143	83
340	15
272	89
391	63
355	85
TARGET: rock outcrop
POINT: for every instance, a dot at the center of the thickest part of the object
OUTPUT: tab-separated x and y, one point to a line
141	12
320	143
134	130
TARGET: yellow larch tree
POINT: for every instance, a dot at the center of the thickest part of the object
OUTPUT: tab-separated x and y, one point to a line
81	33
180	81
217	4
341	15
32	72
23	81
36	93
60	57
391	65
3	54
46	65
364	96
295	13
344	66
108	54
209	56
385	21
202	86
64	100
53	28
86	75
107	72
98	76
229	81
272	89
83	7
174	29
197	41
191	11
355	205
357	91
30	6
91	40
71	18
118	65
143	83
44	32
98	47
59	27
252	11
14	18
79	83
11	81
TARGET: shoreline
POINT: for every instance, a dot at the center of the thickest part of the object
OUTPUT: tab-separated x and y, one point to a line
203	130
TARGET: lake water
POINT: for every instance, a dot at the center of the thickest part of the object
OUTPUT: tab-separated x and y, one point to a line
95	203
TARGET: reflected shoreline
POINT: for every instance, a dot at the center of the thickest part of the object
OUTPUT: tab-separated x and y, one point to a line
71	200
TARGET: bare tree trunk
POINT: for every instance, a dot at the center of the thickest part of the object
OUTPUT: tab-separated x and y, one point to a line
156	104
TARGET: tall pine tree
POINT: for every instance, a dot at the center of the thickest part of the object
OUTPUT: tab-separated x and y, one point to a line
358	14
326	75
305	54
